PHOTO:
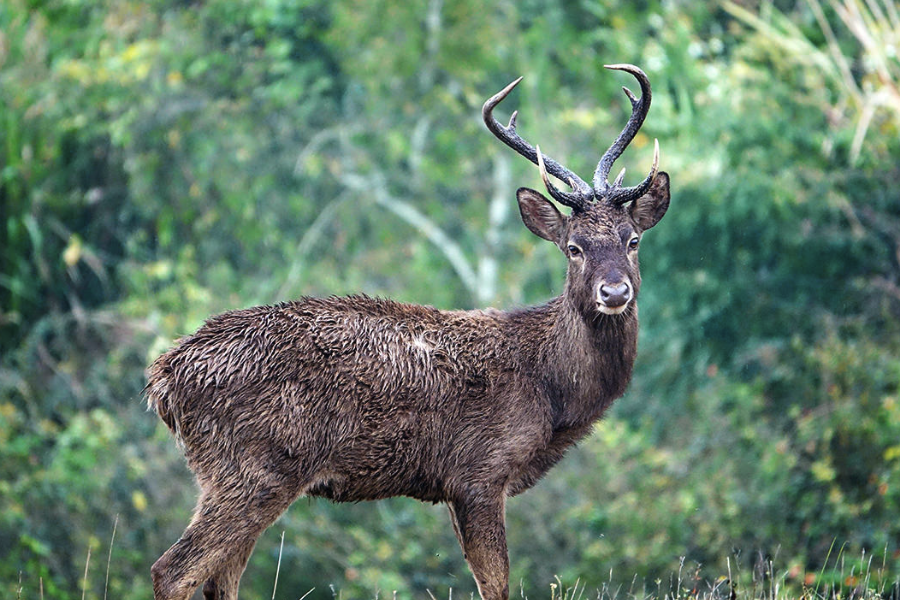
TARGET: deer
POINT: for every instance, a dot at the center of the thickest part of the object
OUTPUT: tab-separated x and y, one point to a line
359	398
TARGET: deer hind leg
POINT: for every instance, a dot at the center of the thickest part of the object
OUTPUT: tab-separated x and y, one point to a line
478	521
217	544
224	584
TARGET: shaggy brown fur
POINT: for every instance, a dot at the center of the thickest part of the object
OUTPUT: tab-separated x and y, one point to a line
359	399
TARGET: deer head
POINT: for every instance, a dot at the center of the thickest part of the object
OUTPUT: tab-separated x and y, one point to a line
602	234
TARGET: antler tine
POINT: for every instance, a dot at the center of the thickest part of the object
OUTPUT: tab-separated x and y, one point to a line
622	196
581	193
555	193
639	108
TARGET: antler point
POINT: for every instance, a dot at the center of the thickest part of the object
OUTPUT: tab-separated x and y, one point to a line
512	120
510	87
630	94
542	167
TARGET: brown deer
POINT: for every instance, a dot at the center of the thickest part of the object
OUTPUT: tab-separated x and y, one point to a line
359	398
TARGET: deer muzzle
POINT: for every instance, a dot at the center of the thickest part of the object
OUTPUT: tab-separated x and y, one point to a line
613	298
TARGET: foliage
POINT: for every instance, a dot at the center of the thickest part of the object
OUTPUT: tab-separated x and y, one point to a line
163	161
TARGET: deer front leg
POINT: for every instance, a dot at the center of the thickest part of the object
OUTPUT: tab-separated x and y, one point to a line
478	520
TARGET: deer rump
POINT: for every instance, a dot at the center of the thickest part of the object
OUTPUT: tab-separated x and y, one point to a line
356	399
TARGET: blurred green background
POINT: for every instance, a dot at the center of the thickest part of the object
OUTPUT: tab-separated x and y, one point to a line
162	161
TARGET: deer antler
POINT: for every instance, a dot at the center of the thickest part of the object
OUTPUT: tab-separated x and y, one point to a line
614	193
580	196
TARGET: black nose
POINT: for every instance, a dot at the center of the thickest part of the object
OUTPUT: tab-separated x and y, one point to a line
615	295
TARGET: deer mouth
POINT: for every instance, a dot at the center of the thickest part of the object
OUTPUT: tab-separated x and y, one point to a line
607	310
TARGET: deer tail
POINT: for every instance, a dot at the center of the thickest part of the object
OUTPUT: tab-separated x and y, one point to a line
158	392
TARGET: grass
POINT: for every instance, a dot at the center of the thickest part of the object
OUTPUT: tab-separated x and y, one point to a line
847	579
862	578
841	578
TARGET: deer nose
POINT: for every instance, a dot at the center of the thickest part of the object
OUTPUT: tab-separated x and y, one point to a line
615	295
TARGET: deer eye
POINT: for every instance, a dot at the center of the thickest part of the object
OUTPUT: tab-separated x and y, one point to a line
633	243
574	251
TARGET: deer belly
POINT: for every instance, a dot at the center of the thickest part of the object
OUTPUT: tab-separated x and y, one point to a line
395	456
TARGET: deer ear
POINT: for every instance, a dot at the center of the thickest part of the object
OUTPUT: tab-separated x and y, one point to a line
650	208
540	215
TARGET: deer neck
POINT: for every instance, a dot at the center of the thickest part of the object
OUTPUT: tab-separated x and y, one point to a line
589	362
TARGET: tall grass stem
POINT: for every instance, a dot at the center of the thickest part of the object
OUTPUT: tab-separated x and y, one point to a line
112	539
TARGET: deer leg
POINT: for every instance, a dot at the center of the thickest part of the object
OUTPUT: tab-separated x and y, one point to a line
190	560
478	521
217	544
454	521
224	585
